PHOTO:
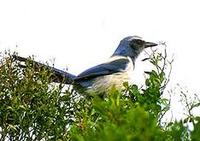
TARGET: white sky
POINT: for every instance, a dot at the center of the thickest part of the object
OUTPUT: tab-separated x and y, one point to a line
82	33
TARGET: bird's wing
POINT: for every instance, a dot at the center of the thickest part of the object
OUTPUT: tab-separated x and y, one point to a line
59	75
118	65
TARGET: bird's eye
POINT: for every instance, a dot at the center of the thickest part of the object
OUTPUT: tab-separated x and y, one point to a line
139	42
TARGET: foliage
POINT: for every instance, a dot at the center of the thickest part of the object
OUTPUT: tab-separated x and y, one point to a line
31	109
34	108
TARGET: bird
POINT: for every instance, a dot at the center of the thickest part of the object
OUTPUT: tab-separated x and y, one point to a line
101	78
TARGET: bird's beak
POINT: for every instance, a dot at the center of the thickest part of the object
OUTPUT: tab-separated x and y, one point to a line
150	44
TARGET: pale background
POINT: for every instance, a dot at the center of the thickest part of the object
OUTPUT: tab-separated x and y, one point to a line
79	34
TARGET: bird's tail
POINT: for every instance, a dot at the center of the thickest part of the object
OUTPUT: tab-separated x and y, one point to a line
59	76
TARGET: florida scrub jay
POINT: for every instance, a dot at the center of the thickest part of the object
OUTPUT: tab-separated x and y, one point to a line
101	78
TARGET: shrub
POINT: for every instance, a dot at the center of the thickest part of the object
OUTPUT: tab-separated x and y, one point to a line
34	108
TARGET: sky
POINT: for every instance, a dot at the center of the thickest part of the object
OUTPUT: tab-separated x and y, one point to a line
79	34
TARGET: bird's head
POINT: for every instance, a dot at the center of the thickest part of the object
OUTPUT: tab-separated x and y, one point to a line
132	46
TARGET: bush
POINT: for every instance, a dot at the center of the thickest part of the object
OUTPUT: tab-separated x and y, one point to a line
34	108
31	108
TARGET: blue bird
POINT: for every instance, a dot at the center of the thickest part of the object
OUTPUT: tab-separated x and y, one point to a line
101	78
